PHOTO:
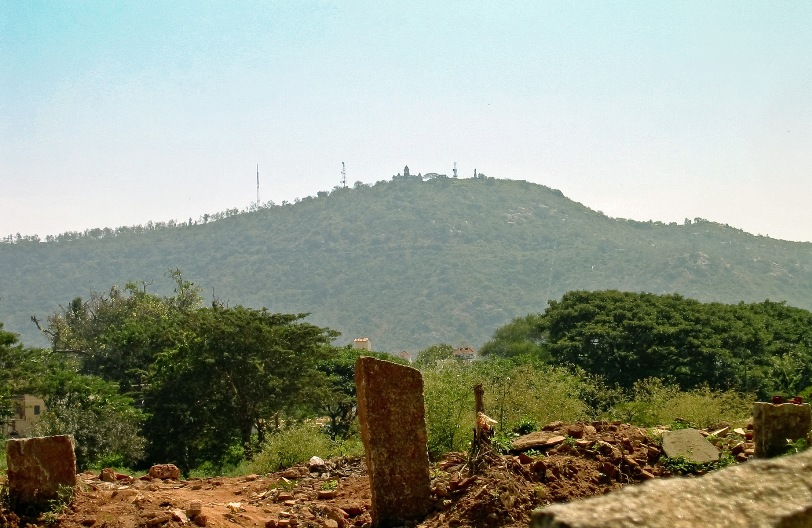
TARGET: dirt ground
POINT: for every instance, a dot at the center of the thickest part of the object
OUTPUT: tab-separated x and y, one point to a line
567	462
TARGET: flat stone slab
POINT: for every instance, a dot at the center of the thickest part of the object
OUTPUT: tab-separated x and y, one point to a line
38	467
689	444
393	428
537	440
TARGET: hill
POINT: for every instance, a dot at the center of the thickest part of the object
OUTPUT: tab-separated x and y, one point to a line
408	262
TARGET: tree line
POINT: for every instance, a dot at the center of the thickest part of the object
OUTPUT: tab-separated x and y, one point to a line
140	378
763	348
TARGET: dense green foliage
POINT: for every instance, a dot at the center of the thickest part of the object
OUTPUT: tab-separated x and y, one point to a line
408	263
210	381
521	396
234	389
625	337
104	422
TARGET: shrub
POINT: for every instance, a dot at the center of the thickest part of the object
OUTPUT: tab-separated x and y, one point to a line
655	403
296	444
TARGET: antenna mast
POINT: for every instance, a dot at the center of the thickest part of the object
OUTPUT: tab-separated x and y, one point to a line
343	175
257	184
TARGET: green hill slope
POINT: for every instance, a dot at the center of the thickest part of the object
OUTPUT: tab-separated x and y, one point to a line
410	263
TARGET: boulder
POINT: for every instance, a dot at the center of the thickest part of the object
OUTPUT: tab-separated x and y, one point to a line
165	471
38	468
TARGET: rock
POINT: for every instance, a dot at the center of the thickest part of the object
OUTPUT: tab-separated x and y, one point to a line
739	496
316	464
179	516
393	429
689	444
575	431
352	509
534	440
721	433
555	440
164	471
38	468
200	519
195	508
108	475
774	425
327	494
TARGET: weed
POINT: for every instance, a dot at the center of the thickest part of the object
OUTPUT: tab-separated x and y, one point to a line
525	426
682	466
502	442
795	447
55	506
329	485
680	423
283	484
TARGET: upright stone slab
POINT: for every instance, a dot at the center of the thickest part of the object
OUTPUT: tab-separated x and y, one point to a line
393	428
774	424
38	467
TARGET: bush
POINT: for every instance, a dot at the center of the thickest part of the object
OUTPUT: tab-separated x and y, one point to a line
656	403
515	396
296	444
449	399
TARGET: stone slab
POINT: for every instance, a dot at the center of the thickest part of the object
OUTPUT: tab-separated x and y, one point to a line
775	424
774	493
393	428
689	444
38	467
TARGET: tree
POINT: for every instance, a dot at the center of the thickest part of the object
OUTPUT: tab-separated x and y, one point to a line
105	425
430	356
335	398
118	334
232	372
17	367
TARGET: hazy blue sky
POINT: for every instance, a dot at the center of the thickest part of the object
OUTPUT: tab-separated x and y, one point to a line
116	112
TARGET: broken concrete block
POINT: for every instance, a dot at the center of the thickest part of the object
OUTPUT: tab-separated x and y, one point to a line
393	429
766	493
38	468
774	425
689	444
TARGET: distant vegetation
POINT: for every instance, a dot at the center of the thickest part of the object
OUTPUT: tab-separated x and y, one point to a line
139	378
408	263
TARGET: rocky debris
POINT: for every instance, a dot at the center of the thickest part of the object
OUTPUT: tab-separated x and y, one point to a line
689	444
164	471
38	468
594	458
393	428
623	453
776	424
765	493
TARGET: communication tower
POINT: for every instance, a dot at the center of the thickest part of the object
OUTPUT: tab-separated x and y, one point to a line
343	175
455	169
257	184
